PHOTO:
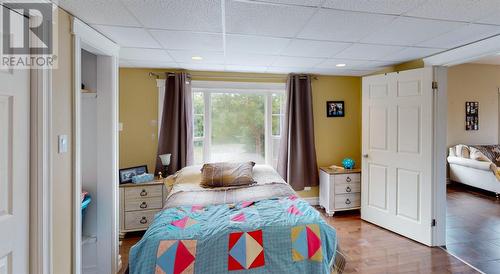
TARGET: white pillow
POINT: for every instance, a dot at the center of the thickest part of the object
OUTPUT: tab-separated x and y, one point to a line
462	151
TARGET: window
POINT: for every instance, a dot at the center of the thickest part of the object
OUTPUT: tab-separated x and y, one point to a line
237	121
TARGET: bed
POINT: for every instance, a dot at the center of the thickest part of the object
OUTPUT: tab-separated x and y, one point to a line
475	165
262	228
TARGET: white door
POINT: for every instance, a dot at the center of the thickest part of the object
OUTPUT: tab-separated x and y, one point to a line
397	148
14	170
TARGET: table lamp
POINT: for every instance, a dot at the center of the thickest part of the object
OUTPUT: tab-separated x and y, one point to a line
165	161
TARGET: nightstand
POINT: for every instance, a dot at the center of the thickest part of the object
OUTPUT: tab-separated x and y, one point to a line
139	203
339	189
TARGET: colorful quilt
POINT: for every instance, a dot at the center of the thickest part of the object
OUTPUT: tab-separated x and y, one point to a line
277	235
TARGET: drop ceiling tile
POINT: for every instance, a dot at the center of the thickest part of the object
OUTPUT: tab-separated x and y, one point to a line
196	15
160	55
407	31
286	70
128	37
309	3
340	72
265	19
367	52
237	68
248	59
492	18
186	40
461	36
332	63
255	44
204	67
410	53
209	57
353	64
98	12
313	48
298	62
396	7
457	10
343	26
148	64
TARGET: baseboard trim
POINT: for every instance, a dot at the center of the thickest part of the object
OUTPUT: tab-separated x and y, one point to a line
312	200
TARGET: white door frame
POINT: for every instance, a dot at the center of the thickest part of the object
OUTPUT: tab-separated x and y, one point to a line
441	61
40	171
84	37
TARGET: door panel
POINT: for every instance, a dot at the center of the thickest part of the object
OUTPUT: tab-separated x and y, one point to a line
397	148
377	190
14	169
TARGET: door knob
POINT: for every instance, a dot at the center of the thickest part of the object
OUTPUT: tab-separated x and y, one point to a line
365	155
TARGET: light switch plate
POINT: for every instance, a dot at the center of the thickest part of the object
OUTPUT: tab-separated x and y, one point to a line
120	126
62	143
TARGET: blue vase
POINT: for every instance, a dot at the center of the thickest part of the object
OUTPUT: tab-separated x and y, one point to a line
348	163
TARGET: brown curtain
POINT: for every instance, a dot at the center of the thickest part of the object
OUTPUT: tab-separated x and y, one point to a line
176	127
297	155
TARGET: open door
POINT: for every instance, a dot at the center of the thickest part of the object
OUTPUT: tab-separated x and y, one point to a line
14	165
397	147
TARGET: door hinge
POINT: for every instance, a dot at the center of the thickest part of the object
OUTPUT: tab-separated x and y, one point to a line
434	85
433	223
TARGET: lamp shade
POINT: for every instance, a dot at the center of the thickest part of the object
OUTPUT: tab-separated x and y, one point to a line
165	159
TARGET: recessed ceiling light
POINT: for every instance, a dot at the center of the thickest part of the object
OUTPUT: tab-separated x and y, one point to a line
197	58
340	65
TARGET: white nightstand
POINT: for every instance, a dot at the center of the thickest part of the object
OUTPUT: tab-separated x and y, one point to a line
339	189
139	203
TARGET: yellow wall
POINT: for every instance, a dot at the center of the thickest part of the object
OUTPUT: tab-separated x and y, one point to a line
62	163
335	138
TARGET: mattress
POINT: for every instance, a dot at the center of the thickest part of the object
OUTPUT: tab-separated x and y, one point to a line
263	228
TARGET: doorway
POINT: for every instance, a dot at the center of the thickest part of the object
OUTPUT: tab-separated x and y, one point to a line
96	153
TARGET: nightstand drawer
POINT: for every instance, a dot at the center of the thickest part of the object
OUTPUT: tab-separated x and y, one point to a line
139	219
143	204
347	200
348	188
347	178
143	192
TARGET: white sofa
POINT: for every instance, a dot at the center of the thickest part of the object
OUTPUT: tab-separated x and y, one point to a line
474	173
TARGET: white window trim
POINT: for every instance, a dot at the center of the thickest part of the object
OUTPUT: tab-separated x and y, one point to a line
235	87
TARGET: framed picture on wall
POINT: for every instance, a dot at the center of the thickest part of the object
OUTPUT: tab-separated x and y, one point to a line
335	109
126	174
471	115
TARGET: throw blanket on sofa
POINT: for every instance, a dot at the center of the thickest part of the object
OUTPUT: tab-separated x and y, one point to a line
491	153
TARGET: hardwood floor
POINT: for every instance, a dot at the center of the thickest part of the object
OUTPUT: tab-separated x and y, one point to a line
371	249
473	227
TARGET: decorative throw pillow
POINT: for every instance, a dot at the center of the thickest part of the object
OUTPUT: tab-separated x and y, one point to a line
451	152
227	174
462	151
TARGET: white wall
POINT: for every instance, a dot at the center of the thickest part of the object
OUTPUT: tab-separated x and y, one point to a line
89	70
473	82
89	140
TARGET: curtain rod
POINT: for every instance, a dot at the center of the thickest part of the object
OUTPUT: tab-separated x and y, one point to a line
151	74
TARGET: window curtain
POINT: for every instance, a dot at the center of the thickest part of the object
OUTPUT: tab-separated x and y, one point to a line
297	155
176	127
